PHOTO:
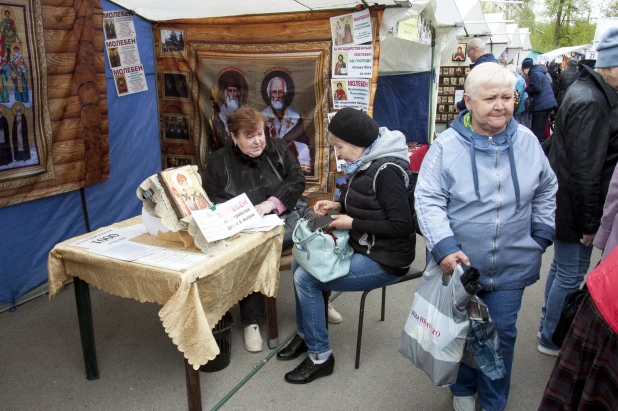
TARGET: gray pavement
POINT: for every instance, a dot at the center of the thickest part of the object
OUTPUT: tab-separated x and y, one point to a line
41	366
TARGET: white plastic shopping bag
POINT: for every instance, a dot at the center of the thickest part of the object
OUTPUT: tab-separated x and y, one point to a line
435	332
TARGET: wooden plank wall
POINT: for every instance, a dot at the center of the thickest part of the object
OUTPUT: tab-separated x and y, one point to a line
77	99
280	28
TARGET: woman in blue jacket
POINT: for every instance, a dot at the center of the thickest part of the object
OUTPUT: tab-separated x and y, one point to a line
486	196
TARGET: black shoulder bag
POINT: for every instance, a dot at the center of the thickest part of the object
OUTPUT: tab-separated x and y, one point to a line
301	210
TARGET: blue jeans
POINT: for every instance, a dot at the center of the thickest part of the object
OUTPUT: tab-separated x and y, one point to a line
492	395
571	261
365	274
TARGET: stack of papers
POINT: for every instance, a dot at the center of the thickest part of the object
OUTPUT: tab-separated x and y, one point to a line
266	223
115	243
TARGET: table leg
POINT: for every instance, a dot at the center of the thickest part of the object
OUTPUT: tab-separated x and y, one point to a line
194	393
272	331
86	328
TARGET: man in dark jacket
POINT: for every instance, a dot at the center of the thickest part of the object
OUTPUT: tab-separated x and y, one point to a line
583	154
477	55
541	94
565	79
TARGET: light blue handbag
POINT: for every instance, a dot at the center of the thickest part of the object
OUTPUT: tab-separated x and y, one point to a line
317	252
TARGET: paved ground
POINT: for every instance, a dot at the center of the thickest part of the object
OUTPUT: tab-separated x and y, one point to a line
41	366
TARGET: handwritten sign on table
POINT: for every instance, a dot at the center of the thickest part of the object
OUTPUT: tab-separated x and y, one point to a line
227	219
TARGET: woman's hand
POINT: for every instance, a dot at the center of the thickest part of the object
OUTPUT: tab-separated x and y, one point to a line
341	222
264	208
587	240
322	207
449	262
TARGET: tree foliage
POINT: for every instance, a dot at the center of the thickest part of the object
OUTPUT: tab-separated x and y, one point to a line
564	22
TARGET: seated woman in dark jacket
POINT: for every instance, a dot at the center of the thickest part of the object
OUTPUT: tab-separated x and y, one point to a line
379	214
245	165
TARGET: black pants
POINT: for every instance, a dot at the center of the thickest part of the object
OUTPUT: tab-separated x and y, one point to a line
539	121
252	309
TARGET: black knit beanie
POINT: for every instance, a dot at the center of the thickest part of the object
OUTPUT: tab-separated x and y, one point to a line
355	127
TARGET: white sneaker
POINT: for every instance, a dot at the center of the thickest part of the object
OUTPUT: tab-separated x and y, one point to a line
464	403
333	316
547	351
253	339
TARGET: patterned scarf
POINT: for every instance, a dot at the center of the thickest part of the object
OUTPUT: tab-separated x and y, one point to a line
350	168
467	121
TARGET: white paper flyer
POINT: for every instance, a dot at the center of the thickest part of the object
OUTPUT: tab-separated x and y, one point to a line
352	61
227	219
350	93
352	28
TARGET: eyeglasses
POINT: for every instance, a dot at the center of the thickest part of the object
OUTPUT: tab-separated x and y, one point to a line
469	50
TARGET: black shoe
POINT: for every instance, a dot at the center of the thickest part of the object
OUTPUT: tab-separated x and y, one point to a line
308	371
295	348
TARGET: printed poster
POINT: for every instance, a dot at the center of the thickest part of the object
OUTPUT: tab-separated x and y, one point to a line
129	80
227	219
350	93
122	52
118	24
352	61
352	28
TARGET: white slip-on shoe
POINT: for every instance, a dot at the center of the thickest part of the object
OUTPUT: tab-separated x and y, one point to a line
333	316
464	403
547	351
253	339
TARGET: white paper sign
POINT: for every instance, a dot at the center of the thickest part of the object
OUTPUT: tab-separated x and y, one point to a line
173	260
350	93
122	52
129	80
126	250
227	219
105	238
352	61
352	28
458	96
122	22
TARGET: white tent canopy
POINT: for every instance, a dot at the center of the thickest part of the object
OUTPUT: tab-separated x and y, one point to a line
551	55
159	10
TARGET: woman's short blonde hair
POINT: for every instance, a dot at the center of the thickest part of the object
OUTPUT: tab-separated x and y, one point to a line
488	75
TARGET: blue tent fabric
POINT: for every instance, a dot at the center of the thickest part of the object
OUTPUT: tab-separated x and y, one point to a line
134	143
402	103
30	230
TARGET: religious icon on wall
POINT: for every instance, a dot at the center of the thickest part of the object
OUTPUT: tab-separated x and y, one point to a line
458	71
288	83
176	127
175	86
25	130
184	191
462	81
121	84
342	31
340	63
114	57
178	161
446	81
110	29
451	71
173	42
467	71
460	52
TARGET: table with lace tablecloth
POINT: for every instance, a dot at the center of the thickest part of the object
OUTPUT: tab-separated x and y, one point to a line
193	301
